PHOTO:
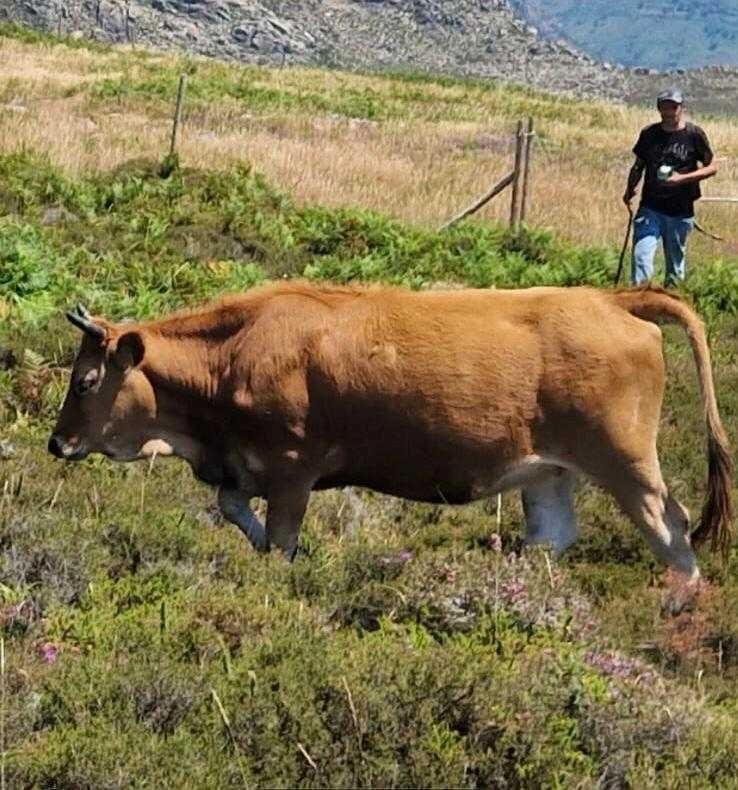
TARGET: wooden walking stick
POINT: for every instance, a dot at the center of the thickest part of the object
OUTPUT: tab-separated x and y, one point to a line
625	246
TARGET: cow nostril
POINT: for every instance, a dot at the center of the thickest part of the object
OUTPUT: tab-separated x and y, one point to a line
55	446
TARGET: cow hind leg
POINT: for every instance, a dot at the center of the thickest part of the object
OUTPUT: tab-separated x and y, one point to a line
664	523
548	504
660	518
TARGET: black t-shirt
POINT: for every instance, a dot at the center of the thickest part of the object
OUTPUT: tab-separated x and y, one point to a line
682	150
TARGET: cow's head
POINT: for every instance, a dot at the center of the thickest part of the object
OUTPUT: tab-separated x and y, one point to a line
110	405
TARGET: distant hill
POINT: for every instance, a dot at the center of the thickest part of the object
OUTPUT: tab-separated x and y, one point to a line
668	34
473	38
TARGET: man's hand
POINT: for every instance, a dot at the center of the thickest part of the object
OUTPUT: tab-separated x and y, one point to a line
674	180
634	178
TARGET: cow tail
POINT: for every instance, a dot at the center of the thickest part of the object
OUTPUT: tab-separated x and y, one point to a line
655	304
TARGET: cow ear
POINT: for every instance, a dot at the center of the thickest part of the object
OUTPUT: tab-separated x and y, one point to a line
129	350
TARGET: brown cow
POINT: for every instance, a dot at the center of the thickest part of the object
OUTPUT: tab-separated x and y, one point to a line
434	396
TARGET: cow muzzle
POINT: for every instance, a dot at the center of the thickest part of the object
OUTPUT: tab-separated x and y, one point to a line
67	449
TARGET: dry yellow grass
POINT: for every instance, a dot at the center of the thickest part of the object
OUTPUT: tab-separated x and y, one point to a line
445	144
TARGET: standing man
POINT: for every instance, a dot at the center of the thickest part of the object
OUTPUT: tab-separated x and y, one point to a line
676	156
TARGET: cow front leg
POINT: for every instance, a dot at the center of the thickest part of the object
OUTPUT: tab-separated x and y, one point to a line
286	505
234	505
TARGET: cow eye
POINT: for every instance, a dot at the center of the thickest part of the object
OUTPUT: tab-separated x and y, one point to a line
86	383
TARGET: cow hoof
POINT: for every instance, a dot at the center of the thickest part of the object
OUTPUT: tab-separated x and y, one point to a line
682	595
675	604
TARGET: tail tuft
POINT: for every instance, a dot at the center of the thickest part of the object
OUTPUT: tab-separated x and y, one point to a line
716	521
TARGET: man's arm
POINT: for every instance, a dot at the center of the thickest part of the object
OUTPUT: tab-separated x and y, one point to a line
634	178
708	171
704	156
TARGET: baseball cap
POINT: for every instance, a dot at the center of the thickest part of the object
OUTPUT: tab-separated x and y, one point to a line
673	94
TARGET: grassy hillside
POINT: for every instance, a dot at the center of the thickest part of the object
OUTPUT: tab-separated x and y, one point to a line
409	147
143	643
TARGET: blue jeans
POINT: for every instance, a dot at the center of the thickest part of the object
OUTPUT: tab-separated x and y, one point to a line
648	227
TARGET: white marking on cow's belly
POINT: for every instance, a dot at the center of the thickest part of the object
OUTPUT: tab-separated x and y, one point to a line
549	510
517	475
156	447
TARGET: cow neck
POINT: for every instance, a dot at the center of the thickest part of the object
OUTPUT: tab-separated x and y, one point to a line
182	371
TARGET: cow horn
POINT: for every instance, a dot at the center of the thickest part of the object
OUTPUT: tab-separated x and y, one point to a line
85	324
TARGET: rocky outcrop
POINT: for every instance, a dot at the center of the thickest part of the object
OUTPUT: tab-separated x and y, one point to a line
480	38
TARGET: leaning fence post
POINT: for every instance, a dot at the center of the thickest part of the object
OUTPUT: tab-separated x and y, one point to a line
496	189
516	190
526	169
177	113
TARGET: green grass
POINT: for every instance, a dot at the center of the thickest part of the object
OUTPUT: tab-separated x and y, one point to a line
146	644
397	95
37	37
132	243
392	95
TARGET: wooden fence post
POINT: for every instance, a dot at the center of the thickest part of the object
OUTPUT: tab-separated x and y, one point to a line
519	178
518	171
526	169
177	113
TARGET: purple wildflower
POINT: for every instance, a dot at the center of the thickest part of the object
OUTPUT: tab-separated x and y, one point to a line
514	590
400	558
612	665
49	652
